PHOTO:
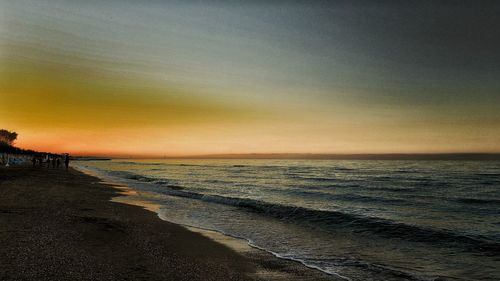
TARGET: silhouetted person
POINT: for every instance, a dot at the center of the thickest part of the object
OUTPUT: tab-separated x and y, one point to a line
47	161
34	161
58	162
66	161
53	160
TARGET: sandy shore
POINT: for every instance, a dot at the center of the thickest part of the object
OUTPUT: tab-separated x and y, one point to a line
61	225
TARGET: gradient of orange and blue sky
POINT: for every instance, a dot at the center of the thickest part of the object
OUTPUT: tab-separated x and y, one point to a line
204	77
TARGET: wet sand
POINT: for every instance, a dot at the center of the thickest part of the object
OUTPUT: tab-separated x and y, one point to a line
62	225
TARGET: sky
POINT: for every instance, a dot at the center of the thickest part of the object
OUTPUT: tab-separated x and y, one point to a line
207	77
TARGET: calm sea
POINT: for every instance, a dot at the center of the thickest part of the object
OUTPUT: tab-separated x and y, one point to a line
362	220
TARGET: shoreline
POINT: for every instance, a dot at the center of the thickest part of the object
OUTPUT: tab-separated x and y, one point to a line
238	244
66	225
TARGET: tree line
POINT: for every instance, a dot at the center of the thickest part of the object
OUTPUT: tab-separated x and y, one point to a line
7	139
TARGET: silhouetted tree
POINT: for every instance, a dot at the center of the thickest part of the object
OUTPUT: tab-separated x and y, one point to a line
7	137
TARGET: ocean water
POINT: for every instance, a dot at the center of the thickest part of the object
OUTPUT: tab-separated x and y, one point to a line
361	220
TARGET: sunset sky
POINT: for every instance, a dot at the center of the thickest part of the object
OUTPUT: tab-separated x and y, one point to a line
203	77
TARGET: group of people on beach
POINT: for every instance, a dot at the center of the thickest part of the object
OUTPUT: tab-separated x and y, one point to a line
53	161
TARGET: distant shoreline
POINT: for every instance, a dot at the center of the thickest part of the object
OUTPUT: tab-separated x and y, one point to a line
312	156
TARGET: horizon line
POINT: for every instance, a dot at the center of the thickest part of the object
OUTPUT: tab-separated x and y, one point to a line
317	156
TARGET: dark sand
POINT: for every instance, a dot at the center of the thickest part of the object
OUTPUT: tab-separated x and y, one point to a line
61	225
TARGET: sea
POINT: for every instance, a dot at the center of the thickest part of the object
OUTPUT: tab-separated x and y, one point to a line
357	220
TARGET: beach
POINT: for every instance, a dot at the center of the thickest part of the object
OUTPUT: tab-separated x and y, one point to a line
249	140
62	225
